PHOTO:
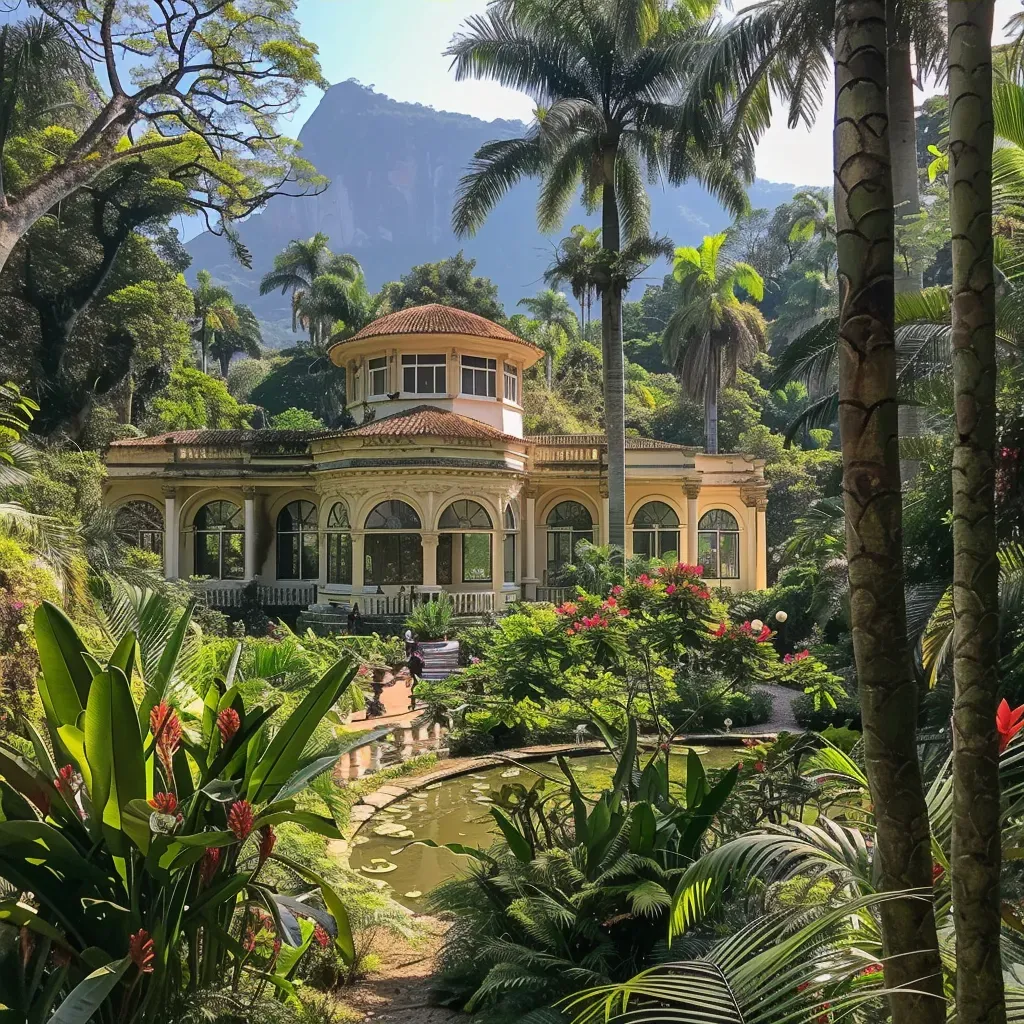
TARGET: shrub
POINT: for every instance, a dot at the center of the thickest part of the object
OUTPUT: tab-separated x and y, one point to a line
846	712
138	888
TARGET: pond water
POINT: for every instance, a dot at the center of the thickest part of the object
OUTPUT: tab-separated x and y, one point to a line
457	811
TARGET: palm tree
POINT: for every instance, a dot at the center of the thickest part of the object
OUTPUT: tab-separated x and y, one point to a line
297	268
605	76
557	321
244	337
783	48
333	303
574	264
713	332
215	313
817	219
976	858
865	228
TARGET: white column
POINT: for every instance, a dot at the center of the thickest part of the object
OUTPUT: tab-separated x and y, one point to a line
604	530
761	562
429	542
529	535
250	535
692	492
498	568
358	563
170	535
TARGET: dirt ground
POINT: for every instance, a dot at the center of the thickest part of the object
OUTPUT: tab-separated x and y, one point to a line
398	992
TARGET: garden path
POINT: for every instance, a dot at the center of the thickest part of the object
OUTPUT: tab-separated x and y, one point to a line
782	717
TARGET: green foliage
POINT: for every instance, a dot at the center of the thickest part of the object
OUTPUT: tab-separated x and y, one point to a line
450	282
194	400
131	807
296	419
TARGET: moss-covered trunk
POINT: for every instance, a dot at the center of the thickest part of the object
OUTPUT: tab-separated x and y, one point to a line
871	492
976	833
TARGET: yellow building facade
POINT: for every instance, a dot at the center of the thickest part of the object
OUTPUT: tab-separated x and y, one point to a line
436	488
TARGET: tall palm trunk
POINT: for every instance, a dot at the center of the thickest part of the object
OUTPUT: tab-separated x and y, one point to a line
976	827
871	493
906	193
549	364
204	345
614	373
711	400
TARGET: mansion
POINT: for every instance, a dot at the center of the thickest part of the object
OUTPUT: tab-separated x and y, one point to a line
436	489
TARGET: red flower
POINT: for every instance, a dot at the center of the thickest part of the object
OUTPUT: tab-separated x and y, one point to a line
803	986
268	840
788	659
165	803
740	766
166	728
937	872
228	723
670	589
321	937
617	589
140	949
568	608
240	819
763	635
871	969
208	865
722	629
759	766
64	778
750	742
800	655
1008	723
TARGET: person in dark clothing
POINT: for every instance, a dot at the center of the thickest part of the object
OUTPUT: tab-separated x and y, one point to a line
415	665
353	619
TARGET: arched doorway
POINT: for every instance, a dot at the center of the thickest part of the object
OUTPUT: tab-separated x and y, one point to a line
568	523
718	545
509	540
298	543
470	560
220	541
656	531
393	548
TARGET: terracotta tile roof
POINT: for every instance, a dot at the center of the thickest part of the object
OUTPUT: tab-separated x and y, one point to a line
428	421
632	443
435	319
225	437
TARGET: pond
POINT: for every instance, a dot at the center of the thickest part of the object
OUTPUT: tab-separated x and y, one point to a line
457	811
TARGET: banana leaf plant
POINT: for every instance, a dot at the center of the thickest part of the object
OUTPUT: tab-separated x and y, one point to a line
137	849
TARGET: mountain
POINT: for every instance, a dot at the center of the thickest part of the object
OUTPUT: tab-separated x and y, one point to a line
393	169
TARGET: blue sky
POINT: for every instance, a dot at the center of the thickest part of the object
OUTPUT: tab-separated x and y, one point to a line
397	46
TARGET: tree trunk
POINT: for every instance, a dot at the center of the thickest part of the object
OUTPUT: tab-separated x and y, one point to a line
225	363
614	373
711	401
976	820
204	345
548	368
903	143
871	494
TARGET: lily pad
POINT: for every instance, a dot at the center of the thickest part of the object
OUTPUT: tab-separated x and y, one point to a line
359	840
473	775
511	773
389	828
379	866
433	785
406	833
405	817
415	894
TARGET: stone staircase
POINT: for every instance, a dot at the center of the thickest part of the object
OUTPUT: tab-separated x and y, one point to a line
440	658
323	619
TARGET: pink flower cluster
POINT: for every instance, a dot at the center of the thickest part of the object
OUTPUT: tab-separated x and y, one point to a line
682	569
799	656
736	632
599	620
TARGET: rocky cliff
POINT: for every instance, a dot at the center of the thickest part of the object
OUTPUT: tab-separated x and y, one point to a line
393	169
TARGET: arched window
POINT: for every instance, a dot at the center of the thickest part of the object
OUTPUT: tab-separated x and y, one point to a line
510	544
220	541
568	523
656	530
339	545
395	556
718	545
393	515
471	521
141	525
298	545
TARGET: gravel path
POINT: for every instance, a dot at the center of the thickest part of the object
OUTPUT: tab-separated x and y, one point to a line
782	718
